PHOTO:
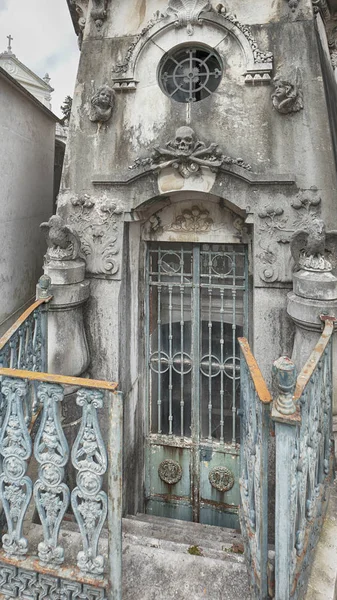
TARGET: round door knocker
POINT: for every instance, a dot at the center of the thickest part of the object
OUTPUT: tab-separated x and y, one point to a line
221	478
170	471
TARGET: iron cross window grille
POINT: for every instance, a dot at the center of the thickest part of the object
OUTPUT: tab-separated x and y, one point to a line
197	298
190	74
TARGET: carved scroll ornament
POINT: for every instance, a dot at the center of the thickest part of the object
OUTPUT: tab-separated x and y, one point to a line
96	223
188	154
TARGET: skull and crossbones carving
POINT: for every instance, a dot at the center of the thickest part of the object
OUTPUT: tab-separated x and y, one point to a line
185	140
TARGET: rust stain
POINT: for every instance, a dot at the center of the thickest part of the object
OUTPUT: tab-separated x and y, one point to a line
64	572
61	379
258	380
314	358
6	336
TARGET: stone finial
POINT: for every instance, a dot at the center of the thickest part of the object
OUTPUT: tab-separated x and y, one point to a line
63	242
102	103
287	96
43	286
314	249
284	372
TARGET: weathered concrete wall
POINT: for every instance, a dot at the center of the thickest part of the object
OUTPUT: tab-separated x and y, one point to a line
26	195
114	209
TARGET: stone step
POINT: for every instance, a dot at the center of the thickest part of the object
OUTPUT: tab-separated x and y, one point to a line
161	529
223	552
157	559
157	574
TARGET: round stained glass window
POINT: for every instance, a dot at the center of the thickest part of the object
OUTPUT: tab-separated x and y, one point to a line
190	73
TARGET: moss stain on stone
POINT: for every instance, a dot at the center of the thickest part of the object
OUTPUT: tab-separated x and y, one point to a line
194	550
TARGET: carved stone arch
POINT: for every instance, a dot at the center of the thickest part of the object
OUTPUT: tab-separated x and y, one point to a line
192	218
259	64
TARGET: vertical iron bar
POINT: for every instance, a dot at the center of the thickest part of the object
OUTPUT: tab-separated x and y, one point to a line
159	343
234	369
233	352
222	343
44	336
210	405
115	460
182	343
195	399
170	339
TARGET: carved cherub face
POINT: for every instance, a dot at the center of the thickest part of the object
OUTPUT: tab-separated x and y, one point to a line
282	89
185	139
103	97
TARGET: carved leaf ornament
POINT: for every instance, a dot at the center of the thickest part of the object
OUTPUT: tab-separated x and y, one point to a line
188	12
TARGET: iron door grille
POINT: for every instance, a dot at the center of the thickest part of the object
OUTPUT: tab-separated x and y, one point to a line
197	298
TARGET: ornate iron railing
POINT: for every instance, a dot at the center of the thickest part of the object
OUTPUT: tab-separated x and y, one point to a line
304	463
37	556
41	552
254	410
24	346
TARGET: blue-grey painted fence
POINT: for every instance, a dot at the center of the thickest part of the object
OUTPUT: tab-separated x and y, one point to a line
254	409
304	463
27	391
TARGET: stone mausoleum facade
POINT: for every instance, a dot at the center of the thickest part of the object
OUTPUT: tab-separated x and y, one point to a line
202	137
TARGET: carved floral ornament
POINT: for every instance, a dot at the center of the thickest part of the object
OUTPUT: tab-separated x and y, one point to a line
97	222
187	154
189	14
276	231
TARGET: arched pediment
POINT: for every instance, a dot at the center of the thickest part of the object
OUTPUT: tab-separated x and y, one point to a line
180	15
197	219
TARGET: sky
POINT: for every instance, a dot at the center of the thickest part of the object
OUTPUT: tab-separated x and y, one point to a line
44	41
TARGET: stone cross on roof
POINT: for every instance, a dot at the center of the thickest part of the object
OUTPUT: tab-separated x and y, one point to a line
9	47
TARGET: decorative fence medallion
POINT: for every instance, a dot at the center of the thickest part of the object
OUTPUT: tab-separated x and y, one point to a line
170	471
221	478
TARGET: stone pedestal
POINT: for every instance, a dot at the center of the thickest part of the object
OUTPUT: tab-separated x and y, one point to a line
67	344
314	294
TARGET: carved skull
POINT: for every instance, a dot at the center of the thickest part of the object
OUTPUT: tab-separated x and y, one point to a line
185	139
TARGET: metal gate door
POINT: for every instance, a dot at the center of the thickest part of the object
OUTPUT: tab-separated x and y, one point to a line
196	309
